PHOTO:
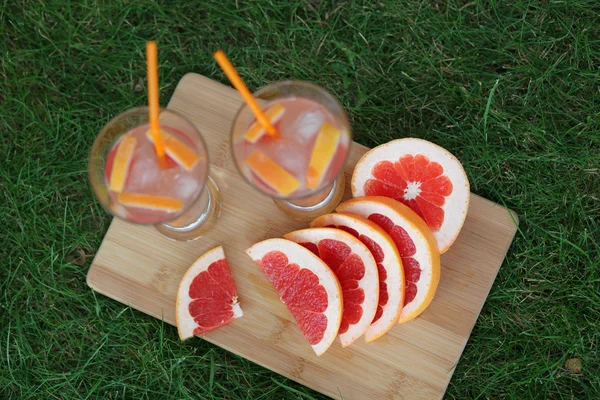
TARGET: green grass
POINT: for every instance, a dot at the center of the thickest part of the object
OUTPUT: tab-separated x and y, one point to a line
511	90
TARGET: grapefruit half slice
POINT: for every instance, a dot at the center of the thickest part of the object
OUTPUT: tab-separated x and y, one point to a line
416	245
389	267
305	285
422	175
207	298
355	268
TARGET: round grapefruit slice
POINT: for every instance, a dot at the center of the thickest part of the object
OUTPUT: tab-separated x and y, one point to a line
305	285
422	175
355	268
416	245
207	298
389	267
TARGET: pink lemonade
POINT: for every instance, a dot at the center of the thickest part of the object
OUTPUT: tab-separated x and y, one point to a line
300	124
172	187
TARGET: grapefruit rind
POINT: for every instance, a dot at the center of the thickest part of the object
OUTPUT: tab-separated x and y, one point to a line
150	202
391	263
276	177
121	163
369	283
306	259
456	204
422	236
322	154
184	320
274	113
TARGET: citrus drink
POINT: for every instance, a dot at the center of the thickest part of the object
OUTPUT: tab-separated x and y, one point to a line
152	191
306	155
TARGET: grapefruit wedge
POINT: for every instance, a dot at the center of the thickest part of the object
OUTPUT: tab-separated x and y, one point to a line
181	153
416	245
355	268
305	285
207	298
389	267
121	163
422	175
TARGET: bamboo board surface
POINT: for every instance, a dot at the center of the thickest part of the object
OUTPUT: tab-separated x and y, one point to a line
138	267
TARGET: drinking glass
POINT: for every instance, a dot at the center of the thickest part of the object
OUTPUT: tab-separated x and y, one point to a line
300	167
176	195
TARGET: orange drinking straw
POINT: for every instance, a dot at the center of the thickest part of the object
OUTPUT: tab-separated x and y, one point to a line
153	104
241	87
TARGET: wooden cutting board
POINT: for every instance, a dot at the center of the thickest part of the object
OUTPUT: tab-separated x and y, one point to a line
137	266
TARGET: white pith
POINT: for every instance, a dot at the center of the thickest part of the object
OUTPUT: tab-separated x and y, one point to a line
412	190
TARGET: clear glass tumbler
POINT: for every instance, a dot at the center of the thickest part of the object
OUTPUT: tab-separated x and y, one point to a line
175	195
300	167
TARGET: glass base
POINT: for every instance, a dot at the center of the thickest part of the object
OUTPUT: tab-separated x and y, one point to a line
311	207
198	219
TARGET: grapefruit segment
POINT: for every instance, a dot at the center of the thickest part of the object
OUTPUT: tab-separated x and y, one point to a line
355	268
415	243
121	163
207	297
177	150
389	267
272	173
322	153
274	113
150	202
305	285
421	175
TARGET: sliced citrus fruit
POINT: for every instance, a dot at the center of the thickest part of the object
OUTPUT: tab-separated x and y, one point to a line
416	245
389	267
177	150
322	154
207	297
121	163
274	113
272	173
423	176
355	267
150	202
306	286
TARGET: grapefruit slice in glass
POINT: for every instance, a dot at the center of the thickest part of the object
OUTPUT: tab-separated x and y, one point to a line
307	287
181	153
389	267
355	268
150	202
121	163
416	245
274	113
422	175
207	297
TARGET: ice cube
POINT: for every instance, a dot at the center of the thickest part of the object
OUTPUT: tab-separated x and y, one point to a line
185	186
307	125
289	154
166	183
143	173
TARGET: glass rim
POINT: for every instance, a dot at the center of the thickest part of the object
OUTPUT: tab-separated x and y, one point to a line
93	181
305	84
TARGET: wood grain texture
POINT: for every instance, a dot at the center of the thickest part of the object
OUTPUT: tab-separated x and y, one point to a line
137	266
